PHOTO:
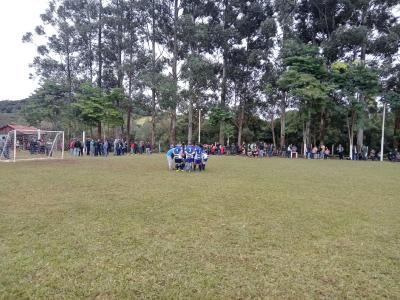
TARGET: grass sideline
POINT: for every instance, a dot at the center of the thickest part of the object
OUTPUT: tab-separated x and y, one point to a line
125	227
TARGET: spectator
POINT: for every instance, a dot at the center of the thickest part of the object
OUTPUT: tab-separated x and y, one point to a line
327	153
364	152
148	148
314	152
105	148
77	148
91	147
289	151
87	145
372	155
355	154
340	150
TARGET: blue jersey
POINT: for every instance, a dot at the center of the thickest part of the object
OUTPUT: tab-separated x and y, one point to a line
198	154
190	150
198	150
178	151
170	152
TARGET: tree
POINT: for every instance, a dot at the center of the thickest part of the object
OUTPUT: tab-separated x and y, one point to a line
351	30
392	96
256	28
95	108
352	81
48	103
306	78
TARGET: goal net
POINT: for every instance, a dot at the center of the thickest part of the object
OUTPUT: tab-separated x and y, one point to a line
19	145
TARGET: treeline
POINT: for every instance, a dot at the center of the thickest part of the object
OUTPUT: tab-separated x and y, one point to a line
11	107
288	71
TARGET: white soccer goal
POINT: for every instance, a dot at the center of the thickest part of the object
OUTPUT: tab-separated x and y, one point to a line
19	145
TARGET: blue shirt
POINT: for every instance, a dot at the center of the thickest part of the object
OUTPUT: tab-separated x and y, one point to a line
170	152
178	150
190	150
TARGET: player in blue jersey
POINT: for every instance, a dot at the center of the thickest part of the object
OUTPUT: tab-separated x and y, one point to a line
198	160
189	157
179	158
170	158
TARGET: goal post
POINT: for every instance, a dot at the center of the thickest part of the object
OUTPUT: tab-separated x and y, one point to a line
22	145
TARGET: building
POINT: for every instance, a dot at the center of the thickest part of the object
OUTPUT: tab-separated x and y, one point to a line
19	128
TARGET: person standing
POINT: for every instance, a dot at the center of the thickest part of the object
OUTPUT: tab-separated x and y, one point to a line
170	158
364	152
115	146
91	146
355	154
148	148
289	151
87	144
77	148
340	150
71	147
105	148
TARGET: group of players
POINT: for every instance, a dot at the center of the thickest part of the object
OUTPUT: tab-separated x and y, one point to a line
187	158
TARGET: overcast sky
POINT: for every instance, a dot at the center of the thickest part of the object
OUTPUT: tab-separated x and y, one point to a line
16	18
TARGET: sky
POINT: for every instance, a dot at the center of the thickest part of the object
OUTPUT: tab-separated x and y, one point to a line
16	18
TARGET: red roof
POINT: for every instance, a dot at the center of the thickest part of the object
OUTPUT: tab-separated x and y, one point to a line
18	128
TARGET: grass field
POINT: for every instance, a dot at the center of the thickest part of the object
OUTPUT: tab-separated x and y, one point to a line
127	228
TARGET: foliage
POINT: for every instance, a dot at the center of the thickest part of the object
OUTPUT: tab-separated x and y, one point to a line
218	115
48	103
93	107
327	59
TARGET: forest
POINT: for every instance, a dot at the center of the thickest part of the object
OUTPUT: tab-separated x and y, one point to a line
284	72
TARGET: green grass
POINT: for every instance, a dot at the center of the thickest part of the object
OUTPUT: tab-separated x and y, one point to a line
246	228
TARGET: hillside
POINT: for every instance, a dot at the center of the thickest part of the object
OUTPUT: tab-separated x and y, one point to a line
7	118
8	106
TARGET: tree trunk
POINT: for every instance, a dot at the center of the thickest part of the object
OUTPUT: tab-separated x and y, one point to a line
130	79
224	76
153	118
190	118
396	129
306	132
322	127
69	75
240	124
360	138
128	125
172	127
360	130
350	130
223	99
89	47
283	123
99	129
153	91
120	71
100	46
273	130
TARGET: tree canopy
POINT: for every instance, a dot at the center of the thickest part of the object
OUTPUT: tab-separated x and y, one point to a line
323	66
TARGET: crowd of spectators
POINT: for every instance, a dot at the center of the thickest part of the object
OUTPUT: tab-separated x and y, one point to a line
117	147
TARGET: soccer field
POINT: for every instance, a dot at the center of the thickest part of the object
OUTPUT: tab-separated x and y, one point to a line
125	227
